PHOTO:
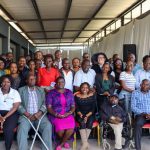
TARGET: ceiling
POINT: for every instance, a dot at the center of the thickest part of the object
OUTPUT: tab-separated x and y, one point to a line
62	21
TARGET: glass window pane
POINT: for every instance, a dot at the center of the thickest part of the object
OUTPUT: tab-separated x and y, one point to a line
127	17
136	12
145	6
118	23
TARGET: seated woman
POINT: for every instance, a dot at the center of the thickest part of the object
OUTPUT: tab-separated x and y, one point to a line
61	106
105	84
9	103
85	109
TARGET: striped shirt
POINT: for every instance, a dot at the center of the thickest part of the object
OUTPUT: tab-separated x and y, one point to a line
129	79
141	75
140	102
33	102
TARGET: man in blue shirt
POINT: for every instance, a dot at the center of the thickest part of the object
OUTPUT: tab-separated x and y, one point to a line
140	105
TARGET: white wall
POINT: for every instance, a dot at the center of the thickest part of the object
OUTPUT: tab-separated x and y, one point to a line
136	32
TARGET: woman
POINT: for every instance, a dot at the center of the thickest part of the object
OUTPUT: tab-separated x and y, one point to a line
101	59
85	109
127	81
2	66
9	103
118	68
14	76
32	70
105	84
47	75
75	64
60	105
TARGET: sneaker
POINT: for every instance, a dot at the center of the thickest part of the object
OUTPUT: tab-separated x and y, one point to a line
66	145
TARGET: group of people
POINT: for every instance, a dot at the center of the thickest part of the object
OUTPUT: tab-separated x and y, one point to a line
63	94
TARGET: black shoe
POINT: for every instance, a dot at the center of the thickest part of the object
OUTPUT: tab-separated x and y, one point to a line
117	149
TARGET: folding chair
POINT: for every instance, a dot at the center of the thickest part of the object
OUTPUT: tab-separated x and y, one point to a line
36	132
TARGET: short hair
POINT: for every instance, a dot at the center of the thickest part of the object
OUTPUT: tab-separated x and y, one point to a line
84	61
85	54
2	78
145	80
13	63
84	83
32	60
9	53
64	59
29	75
38	52
60	77
48	56
145	58
22	57
76	58
57	51
106	59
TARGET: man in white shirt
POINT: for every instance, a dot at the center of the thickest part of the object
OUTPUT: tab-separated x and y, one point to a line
67	73
144	73
85	74
58	59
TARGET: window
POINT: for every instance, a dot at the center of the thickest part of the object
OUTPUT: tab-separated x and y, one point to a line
113	26
136	12
127	18
145	6
118	23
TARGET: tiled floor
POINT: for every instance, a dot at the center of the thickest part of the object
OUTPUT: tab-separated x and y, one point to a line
93	145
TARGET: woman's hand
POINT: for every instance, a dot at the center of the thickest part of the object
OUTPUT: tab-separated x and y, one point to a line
2	119
85	119
106	94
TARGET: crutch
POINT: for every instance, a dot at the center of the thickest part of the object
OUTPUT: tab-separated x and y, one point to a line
36	132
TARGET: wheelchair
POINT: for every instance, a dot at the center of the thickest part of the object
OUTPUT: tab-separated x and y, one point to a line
127	132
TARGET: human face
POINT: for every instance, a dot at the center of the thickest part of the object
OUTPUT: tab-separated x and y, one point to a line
31	81
22	62
101	59
58	55
118	64
39	55
86	56
1	65
10	56
76	63
131	57
86	66
66	65
60	84
146	64
48	62
113	100
145	86
6	84
106	68
32	65
13	68
38	64
85	89
129	66
115	57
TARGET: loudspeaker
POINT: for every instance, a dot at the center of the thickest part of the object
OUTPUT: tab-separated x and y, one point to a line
128	48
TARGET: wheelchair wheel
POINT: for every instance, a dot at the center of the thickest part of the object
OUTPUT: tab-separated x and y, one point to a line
106	145
131	145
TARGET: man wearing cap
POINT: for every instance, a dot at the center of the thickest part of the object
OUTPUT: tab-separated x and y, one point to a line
113	114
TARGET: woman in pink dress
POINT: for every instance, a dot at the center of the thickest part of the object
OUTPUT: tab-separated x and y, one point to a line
61	106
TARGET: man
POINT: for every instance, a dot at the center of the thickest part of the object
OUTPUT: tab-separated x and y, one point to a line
39	55
85	74
113	114
140	105
144	73
86	56
67	73
75	64
58	59
137	67
23	70
9	59
33	107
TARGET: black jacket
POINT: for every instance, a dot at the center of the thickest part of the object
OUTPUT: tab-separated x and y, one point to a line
107	110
